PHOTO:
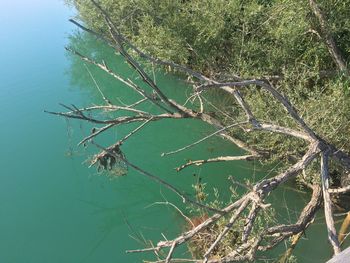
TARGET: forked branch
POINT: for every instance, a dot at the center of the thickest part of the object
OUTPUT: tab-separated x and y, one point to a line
247	207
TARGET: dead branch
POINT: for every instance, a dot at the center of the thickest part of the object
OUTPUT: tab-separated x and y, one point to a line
328	38
204	117
96	132
171	251
120	142
267	86
305	218
108	102
111	151
118	120
226	229
339	190
257	195
250	221
176	208
344	229
119	41
110	108
217	159
204	138
288	253
332	233
249	206
127	82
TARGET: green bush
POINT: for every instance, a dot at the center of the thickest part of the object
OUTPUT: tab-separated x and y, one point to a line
253	38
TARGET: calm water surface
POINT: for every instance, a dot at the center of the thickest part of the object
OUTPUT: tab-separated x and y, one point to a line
52	207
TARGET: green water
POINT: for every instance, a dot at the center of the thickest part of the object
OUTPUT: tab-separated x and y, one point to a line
52	207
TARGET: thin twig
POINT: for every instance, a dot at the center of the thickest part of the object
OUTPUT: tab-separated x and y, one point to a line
216	159
97	86
176	208
204	138
161	181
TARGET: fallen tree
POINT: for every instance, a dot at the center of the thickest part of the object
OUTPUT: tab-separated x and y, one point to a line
313	167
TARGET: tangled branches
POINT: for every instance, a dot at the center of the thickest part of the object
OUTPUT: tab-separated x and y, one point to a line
243	213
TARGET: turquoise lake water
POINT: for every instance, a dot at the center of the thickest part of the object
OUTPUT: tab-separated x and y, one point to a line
53	208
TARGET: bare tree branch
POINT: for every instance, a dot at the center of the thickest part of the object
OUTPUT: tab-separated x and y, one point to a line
332	233
250	221
247	207
97	86
176	208
171	251
267	86
96	132
127	82
226	229
328	38
159	180
216	159
204	138
119	40
341	190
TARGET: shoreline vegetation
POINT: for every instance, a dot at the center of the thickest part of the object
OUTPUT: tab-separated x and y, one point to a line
284	65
